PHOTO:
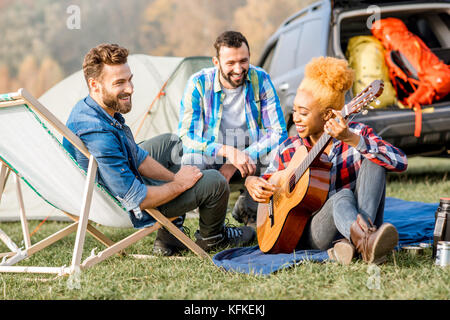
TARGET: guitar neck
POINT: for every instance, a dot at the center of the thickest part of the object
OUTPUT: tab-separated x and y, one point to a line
315	151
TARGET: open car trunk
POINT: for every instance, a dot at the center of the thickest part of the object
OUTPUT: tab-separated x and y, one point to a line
429	21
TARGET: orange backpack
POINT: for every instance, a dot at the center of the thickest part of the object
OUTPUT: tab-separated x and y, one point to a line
419	77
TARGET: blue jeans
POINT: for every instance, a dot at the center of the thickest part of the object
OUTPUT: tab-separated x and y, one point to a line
334	219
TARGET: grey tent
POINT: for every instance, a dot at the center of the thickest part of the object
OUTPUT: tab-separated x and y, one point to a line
159	83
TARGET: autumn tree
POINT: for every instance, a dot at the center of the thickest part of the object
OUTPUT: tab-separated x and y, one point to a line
258	20
27	75
33	32
49	74
186	28
4	79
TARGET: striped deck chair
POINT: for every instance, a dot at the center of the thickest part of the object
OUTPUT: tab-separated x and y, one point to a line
32	154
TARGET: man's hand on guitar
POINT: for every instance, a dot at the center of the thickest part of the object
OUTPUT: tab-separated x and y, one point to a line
338	128
260	190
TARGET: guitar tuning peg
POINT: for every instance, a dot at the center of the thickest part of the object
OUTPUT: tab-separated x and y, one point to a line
371	107
364	112
377	102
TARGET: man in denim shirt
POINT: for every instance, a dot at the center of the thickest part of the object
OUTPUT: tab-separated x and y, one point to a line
145	176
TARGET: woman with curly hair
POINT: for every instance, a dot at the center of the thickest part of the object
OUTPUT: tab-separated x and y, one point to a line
351	220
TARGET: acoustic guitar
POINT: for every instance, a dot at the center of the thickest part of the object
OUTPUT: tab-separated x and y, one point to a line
303	187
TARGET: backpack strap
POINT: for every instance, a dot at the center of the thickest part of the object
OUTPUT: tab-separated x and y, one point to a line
399	71
418	120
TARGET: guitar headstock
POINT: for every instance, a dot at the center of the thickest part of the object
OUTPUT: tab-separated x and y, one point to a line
364	98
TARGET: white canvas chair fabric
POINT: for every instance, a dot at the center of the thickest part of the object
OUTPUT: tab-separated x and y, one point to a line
30	149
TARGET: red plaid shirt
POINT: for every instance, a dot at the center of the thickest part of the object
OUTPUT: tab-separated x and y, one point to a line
346	160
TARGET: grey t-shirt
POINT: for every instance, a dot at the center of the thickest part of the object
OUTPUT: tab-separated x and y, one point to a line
233	127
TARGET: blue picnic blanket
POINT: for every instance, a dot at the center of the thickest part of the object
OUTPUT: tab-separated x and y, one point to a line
414	222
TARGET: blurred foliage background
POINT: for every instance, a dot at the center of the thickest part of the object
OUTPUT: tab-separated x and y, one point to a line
39	49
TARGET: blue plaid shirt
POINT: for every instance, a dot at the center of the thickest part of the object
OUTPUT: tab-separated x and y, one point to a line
202	109
111	143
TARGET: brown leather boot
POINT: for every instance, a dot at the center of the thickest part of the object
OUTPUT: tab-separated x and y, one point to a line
373	244
343	251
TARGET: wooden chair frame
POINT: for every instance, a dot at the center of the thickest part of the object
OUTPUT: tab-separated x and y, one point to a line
81	223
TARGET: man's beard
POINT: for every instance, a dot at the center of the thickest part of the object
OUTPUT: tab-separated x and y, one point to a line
227	77
114	103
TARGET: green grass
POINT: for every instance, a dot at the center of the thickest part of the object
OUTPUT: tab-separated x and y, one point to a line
426	180
188	277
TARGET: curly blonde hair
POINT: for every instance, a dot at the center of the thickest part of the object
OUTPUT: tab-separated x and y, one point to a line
328	79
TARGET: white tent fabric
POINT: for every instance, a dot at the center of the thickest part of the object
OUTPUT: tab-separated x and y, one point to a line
150	73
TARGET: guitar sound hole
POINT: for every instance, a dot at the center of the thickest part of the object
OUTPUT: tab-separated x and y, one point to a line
292	183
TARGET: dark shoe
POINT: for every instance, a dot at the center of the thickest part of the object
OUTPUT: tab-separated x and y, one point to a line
343	252
251	222
230	237
245	210
239	208
167	244
373	244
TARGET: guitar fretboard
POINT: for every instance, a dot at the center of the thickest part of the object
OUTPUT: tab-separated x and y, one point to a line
316	150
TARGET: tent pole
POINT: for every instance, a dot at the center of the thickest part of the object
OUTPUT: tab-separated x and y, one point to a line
160	93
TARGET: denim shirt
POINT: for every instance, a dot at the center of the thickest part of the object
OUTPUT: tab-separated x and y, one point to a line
111	143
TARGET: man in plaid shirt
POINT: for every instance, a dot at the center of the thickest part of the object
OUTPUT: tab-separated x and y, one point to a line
354	209
230	117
